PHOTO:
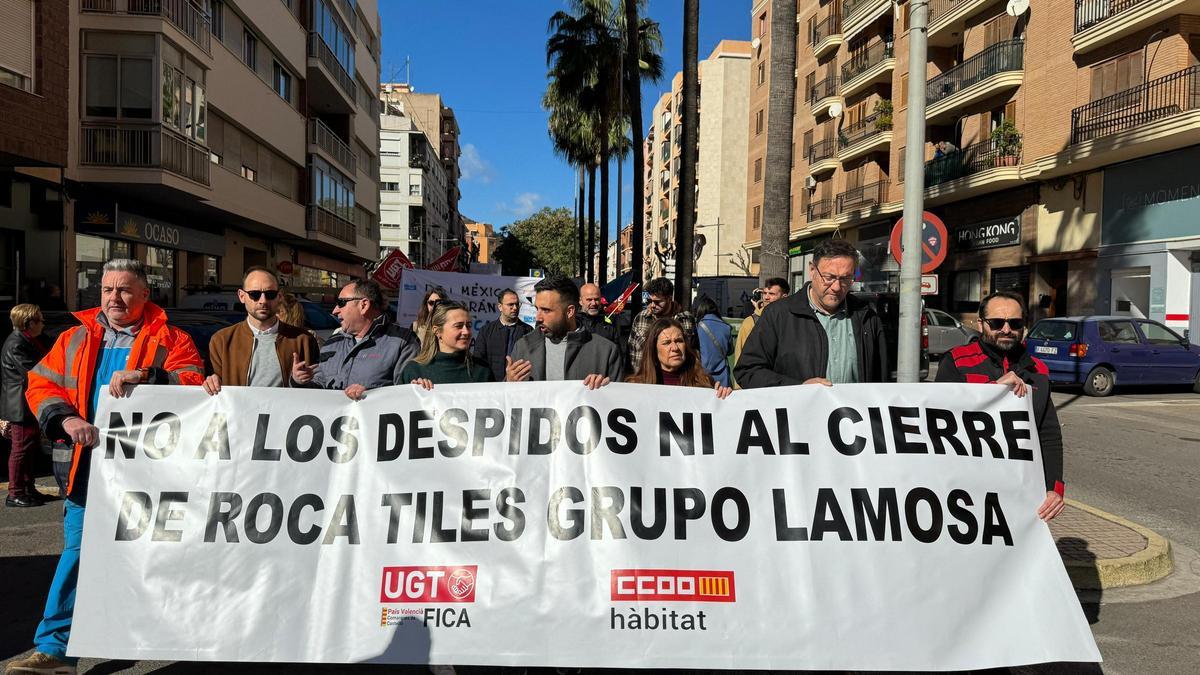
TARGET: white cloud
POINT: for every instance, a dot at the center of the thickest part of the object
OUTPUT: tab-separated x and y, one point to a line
523	205
474	167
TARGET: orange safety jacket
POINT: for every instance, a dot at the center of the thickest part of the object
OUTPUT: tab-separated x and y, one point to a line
60	386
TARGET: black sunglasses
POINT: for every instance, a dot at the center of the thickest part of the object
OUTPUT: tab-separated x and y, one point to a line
255	295
997	324
342	302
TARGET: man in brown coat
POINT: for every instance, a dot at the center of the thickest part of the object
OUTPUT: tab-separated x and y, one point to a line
261	351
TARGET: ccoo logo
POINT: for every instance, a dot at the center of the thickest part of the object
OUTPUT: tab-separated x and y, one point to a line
672	585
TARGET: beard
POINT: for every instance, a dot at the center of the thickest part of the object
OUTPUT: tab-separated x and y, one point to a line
1004	343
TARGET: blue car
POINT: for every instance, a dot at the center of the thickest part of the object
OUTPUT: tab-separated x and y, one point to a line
1100	352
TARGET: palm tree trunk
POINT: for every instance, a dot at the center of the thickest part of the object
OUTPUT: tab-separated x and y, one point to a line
633	89
603	207
591	224
686	217
781	109
582	238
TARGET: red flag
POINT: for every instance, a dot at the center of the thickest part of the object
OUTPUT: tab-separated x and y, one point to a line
617	306
388	272
448	262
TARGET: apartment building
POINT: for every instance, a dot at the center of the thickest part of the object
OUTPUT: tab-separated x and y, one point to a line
1051	138
482	239
720	168
414	212
207	136
33	149
432	116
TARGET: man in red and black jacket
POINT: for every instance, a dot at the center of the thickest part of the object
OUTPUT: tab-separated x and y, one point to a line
999	356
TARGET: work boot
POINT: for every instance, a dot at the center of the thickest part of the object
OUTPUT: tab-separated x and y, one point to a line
39	664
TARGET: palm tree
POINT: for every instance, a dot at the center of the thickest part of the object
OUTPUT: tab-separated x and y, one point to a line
573	136
781	108
686	216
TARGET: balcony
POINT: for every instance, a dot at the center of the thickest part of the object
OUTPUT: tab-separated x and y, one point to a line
977	169
863	197
335	148
320	53
948	19
323	223
822	156
1102	22
190	20
144	146
826	35
822	209
996	69
858	14
868	66
870	134
823	94
1140	106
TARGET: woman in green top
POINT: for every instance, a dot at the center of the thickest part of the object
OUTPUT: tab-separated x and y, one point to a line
447	359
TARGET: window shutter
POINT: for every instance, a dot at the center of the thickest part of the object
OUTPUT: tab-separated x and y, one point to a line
808	141
16	36
1137	71
1010	111
1097	89
985	125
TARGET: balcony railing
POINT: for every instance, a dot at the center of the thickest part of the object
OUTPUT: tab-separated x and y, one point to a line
869	126
317	49
1157	99
822	150
189	19
324	222
852	7
863	196
830	25
968	161
144	146
823	89
940	8
1088	13
865	59
820	210
324	138
999	58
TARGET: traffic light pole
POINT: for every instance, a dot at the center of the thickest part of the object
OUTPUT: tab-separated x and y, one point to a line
908	361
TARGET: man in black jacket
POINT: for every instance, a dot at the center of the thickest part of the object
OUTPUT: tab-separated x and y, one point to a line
821	335
560	349
592	317
999	356
498	337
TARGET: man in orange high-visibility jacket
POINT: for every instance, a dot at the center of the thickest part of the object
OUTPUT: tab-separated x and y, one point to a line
126	341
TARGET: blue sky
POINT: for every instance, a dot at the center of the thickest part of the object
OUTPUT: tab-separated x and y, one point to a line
488	60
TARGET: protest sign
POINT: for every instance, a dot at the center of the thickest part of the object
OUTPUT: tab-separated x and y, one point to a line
479	292
858	527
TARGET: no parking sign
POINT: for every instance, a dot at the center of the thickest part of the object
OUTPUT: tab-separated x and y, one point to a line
934	242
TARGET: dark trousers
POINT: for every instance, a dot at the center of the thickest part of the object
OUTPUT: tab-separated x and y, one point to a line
26	439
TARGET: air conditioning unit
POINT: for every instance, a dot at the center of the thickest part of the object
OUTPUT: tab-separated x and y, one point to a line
810	182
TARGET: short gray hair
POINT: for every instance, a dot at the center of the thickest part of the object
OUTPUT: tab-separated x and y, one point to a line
128	265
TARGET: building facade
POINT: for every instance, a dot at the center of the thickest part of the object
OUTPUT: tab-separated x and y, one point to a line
720	167
205	137
1048	141
414	211
482	240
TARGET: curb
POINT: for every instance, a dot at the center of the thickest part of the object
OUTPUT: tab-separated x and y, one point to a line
1146	566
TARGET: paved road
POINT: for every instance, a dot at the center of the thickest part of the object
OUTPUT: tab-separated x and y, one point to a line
1134	454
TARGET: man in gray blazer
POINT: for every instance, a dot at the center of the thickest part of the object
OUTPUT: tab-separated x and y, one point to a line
559	349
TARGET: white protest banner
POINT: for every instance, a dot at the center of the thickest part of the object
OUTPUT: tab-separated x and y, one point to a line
858	527
479	292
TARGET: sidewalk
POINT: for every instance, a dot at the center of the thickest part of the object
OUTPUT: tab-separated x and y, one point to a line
1103	551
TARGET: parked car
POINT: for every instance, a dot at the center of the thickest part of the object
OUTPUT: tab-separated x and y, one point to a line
320	320
1100	352
946	332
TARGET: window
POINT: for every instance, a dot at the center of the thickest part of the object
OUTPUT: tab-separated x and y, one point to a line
249	49
216	18
758	170
414	189
999	29
249	174
214	158
966	291
758	122
183	104
17	44
118	86
389	187
762	24
903	90
762	73
1118	332
281	81
1117	75
1159	335
756	223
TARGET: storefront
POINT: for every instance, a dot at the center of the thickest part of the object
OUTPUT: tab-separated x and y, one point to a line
878	271
318	275
174	256
1149	257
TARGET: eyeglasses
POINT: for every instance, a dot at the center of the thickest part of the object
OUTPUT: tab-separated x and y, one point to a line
342	302
255	295
432	303
997	324
830	278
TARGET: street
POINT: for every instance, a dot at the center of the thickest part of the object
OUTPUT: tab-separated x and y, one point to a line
1132	454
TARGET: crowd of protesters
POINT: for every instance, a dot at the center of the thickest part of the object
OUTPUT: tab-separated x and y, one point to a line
820	335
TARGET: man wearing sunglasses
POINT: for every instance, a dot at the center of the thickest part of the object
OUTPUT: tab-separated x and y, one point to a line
260	351
998	356
819	335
